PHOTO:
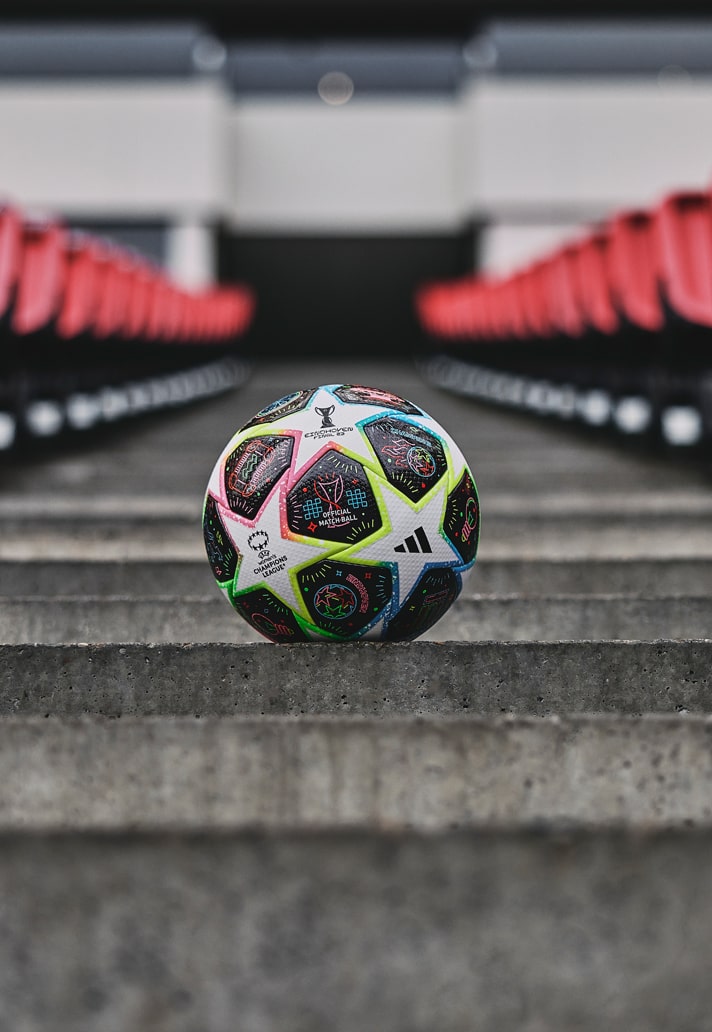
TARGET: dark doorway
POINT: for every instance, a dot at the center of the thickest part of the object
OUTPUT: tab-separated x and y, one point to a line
318	295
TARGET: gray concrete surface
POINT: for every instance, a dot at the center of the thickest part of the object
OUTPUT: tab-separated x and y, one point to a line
314	772
493	930
532	678
163	619
508	925
515	538
520	535
532	577
478	618
572	618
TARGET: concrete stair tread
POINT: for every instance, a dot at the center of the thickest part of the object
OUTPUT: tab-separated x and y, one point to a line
189	577
171	618
527	929
534	678
151	507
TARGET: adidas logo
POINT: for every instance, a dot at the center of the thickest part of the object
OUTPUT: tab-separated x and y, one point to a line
411	545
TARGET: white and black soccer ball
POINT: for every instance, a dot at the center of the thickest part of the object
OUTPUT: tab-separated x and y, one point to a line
338	513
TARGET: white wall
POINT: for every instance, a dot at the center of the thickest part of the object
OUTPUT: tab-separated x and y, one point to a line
535	156
569	143
507	246
190	254
125	149
370	165
543	158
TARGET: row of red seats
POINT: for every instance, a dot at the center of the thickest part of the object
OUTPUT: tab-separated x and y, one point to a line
77	285
641	269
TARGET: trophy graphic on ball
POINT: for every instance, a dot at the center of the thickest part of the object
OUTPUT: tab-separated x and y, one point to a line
325	414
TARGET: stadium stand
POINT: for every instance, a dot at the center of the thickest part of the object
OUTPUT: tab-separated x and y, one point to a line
93	332
616	319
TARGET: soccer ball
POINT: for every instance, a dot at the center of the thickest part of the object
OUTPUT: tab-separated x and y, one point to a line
341	512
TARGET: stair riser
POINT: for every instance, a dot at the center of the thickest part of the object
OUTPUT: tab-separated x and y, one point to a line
421	677
503	537
529	577
161	620
528	931
429	774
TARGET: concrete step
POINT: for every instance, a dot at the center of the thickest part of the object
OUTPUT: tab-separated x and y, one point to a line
507	536
236	870
531	930
141	577
532	678
574	618
428	773
137	507
164	618
498	469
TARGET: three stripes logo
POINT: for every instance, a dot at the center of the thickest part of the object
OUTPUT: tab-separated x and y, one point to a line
415	542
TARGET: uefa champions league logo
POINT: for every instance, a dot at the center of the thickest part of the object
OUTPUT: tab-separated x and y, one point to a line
259	542
269	562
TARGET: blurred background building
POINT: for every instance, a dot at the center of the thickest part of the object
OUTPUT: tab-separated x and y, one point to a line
337	158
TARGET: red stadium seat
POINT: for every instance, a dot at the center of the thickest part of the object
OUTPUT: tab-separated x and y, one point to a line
456	311
563	293
215	314
158	314
479	306
192	328
632	261
183	329
174	314
207	317
444	307
532	286
684	239
594	283
10	256
140	286
461	309
517	299
42	274
83	278
113	309
505	312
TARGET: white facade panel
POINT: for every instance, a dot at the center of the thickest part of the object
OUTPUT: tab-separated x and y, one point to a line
136	149
190	254
511	150
506	246
590	145
368	166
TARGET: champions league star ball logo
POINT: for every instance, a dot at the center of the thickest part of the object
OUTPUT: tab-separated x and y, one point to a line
341	513
269	563
259	541
335	602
